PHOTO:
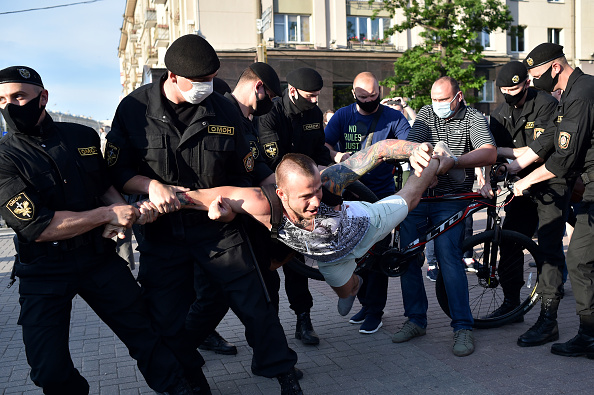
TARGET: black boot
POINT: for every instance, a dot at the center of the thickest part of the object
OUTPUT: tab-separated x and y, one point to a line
181	387
198	383
215	342
506	307
581	344
545	329
305	331
289	384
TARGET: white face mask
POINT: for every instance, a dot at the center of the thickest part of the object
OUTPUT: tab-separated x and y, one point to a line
198	92
443	109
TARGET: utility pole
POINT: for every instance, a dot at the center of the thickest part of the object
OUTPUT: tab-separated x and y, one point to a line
260	45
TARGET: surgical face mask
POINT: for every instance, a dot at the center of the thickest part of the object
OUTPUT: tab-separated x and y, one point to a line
302	103
369	106
443	109
23	118
546	82
198	92
263	106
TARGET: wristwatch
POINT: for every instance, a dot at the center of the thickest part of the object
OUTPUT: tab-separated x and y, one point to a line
404	105
455	158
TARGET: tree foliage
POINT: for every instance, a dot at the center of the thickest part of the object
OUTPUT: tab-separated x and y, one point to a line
450	29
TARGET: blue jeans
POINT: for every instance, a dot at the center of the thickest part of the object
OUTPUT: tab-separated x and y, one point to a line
448	248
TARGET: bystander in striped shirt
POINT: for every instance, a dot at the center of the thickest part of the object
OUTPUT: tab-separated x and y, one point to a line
467	130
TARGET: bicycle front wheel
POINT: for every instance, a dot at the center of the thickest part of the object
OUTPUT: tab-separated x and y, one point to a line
485	291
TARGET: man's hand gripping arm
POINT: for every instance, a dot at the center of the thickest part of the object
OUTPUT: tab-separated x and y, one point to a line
337	177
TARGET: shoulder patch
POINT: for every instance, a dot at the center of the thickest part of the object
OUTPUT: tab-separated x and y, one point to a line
88	151
21	207
529	125
255	150
111	154
271	149
312	126
218	129
564	139
537	133
248	162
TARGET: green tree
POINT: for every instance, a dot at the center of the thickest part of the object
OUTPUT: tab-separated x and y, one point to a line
450	46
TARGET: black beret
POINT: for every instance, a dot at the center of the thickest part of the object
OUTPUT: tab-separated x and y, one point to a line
512	74
22	74
305	79
220	86
268	76
542	54
191	56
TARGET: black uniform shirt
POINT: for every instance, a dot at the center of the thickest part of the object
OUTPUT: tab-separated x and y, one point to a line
287	129
261	169
211	152
60	170
535	114
570	133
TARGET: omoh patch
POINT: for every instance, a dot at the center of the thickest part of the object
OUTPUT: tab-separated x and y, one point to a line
21	207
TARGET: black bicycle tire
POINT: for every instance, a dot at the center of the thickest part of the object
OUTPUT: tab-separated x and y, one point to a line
529	301
298	264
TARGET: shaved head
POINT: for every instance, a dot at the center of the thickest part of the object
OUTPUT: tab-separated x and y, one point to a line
294	164
364	79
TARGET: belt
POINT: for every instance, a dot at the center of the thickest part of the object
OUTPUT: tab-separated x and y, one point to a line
31	251
588	177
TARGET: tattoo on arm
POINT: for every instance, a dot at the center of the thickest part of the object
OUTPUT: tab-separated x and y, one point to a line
337	177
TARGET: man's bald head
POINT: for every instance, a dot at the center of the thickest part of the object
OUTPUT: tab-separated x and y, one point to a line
366	93
364	79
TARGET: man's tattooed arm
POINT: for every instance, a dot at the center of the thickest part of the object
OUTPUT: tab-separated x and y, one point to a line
337	177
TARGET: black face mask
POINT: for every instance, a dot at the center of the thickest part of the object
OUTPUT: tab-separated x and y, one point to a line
546	82
512	100
302	103
369	106
23	118
262	106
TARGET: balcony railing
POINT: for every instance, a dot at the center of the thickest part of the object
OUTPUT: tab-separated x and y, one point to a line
364	5
161	36
371	45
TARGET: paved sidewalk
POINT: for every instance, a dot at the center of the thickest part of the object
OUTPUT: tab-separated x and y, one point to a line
345	362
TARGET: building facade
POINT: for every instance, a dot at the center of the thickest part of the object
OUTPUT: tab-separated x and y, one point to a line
336	37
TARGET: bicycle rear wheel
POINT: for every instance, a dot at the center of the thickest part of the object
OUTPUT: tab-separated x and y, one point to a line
309	267
485	293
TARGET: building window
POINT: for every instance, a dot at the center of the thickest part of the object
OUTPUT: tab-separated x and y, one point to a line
554	35
367	29
487	92
291	28
484	38
342	94
516	34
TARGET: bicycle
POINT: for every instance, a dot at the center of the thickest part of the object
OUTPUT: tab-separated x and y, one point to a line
484	285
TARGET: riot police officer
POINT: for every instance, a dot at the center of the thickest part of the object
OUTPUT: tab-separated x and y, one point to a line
514	125
175	134
56	195
569	138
